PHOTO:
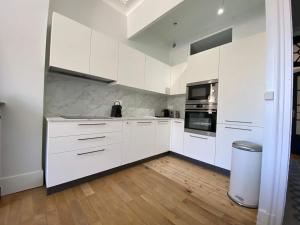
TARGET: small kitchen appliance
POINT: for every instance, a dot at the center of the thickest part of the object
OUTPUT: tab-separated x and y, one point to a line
116	110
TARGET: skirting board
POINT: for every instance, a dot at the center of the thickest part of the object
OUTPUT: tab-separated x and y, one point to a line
21	182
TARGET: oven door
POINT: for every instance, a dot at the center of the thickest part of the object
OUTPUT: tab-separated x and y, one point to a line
201	122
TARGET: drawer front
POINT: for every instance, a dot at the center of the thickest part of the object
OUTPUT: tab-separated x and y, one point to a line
68	166
61	129
71	143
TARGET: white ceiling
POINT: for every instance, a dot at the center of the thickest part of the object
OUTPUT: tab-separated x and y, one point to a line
123	6
197	17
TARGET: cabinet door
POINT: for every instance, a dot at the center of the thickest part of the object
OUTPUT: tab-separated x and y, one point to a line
203	66
177	132
226	134
70	45
139	140
157	76
178	79
199	147
131	69
104	56
242	81
163	129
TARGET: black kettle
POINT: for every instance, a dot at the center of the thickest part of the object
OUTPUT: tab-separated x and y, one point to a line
116	109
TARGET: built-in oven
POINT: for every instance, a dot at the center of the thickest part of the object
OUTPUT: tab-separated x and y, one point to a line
204	92
201	119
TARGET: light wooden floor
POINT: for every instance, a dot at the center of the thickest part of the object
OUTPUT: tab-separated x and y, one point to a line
164	191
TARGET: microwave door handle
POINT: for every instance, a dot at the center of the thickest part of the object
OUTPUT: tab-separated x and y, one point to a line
198	110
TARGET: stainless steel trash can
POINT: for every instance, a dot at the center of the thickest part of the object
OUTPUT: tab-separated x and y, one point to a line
245	173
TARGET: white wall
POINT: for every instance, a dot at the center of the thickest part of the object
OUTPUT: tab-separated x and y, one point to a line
22	59
103	18
147	13
253	23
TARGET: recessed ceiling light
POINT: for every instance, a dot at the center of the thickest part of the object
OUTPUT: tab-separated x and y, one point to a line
220	11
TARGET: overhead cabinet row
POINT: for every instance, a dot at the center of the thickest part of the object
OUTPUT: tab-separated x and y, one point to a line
78	49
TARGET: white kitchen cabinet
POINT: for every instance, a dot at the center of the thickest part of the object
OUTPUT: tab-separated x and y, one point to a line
163	132
139	140
104	56
242	81
227	134
177	133
157	76
131	69
178	79
70	45
203	66
200	147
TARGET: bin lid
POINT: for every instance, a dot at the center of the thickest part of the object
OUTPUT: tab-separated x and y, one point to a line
247	146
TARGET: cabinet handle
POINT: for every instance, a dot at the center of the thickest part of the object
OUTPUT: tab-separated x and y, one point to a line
236	121
85	139
198	137
86	153
235	128
144	122
163	121
177	122
91	124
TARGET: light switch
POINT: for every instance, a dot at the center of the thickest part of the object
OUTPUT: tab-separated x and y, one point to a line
269	95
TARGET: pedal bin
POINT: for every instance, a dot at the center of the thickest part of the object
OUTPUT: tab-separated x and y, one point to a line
245	173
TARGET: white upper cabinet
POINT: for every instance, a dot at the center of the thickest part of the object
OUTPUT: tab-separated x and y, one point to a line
242	81
157	76
178	79
70	45
131	71
104	56
203	66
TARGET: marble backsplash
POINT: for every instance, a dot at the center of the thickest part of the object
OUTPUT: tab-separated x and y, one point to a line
176	103
66	95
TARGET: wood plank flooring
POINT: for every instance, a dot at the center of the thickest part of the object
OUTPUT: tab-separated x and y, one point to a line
164	191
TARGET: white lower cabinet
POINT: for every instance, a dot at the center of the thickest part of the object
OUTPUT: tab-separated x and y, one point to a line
226	134
177	133
200	147
163	129
68	166
139	140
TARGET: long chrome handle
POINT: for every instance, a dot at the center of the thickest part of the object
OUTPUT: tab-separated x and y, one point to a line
163	121
91	124
144	122
177	122
85	139
237	121
198	137
91	152
235	128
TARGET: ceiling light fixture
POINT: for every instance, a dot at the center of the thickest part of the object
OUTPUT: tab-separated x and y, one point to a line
221	9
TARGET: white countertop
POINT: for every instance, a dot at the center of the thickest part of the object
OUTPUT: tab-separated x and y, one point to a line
61	119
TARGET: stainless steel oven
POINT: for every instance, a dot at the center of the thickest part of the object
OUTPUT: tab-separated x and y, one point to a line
201	119
204	92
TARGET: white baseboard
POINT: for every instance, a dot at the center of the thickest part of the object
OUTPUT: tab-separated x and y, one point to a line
21	182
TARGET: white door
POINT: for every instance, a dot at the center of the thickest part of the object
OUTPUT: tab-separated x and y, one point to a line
242	81
177	133
200	147
178	79
203	66
227	134
104	56
131	69
163	129
70	45
157	76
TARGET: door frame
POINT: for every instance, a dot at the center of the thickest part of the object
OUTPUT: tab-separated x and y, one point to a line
278	113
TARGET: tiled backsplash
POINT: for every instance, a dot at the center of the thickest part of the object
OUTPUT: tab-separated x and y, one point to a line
66	95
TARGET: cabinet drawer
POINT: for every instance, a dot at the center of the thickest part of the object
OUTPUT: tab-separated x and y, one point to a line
200	147
60	129
70	143
68	166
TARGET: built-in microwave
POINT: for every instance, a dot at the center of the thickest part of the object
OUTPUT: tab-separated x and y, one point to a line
204	92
